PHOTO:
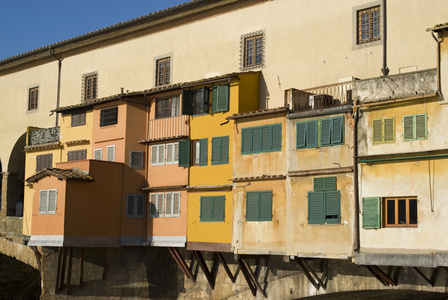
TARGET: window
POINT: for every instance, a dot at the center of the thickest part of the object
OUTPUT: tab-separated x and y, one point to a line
135	206
401	212
136	159
78	119
108	116
368	25
90	86
77	155
261	139
98	154
157	203
163	71
44	161
259	206
371	212
158	155
168	107
47	201
195	102
220	98
320	133
252	50
212	208
220	150
172	153
200	152
324	202
172	205
384	130
415	127
110	153
33	98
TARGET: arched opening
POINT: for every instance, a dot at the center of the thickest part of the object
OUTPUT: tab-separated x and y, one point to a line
13	185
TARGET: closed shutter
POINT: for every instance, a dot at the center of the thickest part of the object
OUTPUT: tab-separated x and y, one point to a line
246	139
312	134
220	98
337	131
52	199
98	154
219	208
184	153
319	184
140	213
161	155
169	204
315	208
420	126
325	184
256	140
377	131
203	152
176	204
408	128
156	205
169	153
216	150
110	153
136	159
154	155
276	137
325	132
389	129
371	212
225	150
206	209
160	206
43	204
252	206
44	162
301	135
130	206
187	107
78	119
265	206
332	207
266	133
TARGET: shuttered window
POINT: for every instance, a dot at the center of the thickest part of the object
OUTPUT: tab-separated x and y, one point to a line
261	139
383	130
200	152
184	153
212	208
47	201
44	161
320	133
135	206
33	98
172	153
98	154
157	205
220	98
324	202
371	212
400	212
136	159
77	155
172	205
415	127
220	150
157	155
108	116
78	119
110	153
259	206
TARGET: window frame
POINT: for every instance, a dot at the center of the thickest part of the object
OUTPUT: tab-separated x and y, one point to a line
220	150
374	30
173	158
44	159
109	116
136	162
159	161
33	99
90	86
135	199
355	11
78	119
47	211
216	202
108	157
396	212
74	155
173	104
252	57
173	213
163	70
154	206
254	139
380	130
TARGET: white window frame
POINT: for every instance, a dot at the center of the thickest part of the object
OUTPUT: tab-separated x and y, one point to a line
98	153
108	158
156	160
135	198
45	210
172	158
172	214
154	201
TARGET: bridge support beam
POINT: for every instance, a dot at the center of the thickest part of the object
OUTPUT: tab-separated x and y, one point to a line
181	263
203	265
309	273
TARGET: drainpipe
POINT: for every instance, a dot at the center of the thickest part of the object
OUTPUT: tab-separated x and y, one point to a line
59	82
145	231
356	245
438	60
385	69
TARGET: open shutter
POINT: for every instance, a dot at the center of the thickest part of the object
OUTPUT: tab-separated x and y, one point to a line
408	128
266	137
184	153
130	206
337	131
223	97
371	212
332	207
276	137
205	99
169	205
301	135
389	130
311	134
315	207
187	107
203	152
377	131
420	126
219	203
216	150
206	209
43	204
140	213
266	206
246	139
176	204
215	99
325	132
252	207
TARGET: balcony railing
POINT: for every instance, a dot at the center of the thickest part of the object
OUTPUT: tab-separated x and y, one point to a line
43	136
319	97
168	127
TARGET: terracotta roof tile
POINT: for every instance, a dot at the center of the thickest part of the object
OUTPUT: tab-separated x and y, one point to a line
63	174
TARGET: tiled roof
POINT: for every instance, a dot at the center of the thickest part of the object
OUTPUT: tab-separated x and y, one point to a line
77	142
210	187
255	178
63	174
439	27
43	146
260	112
164	187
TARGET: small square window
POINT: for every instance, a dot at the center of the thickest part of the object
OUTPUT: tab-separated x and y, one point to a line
33	98
168	107
76	155
135	206
108	116
44	161
78	119
252	50
90	86
368	25
400	212
163	71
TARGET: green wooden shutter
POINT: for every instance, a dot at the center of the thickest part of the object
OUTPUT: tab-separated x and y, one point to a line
301	135
408	128
421	131
371	212
266	138
276	137
220	98
330	183
225	149
319	184
377	131
337	130
265	206
184	153
203	152
246	140
389	129
219	203
315	207
216	151
332	201
187	105
312	133
215	99
325	132
252	207
206	209
256	140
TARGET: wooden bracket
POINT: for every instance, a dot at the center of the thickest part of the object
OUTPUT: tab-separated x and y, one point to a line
181	263
203	265
250	278
309	273
422	276
381	276
226	267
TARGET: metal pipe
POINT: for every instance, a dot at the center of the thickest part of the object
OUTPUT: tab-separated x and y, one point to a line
403	158
356	245
59	83
385	69
438	61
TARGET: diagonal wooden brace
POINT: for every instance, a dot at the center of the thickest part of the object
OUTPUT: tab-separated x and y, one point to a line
247	276
309	273
422	276
203	265
181	263
226	267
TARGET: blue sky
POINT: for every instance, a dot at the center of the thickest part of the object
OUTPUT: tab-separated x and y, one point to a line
29	24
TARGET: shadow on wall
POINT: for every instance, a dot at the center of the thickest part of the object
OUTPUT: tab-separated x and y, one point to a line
16	174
